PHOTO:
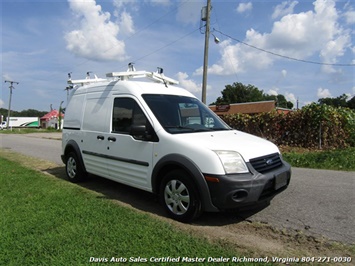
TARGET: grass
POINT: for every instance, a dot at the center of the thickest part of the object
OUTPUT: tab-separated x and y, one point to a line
28	130
49	221
343	159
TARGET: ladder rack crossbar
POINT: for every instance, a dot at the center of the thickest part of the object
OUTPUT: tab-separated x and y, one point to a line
155	76
142	74
85	81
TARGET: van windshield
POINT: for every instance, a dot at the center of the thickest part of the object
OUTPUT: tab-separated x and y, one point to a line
181	114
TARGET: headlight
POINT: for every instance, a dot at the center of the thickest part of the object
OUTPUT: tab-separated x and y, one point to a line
233	162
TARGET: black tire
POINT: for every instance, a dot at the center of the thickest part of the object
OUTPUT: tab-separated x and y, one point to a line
180	197
73	168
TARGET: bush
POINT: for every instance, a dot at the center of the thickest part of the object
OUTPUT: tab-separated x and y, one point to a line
313	126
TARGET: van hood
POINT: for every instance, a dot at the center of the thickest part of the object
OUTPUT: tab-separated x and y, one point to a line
249	146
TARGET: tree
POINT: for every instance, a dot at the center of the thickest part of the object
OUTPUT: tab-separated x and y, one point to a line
23	113
340	101
351	103
336	102
280	99
240	93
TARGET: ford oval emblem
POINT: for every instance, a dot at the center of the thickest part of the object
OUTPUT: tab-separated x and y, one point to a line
269	161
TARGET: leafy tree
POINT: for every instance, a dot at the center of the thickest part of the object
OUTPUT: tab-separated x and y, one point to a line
351	103
336	102
280	100
24	113
32	113
240	93
340	101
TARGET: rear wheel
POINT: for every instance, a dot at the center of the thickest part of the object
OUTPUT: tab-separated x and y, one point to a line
74	170
179	196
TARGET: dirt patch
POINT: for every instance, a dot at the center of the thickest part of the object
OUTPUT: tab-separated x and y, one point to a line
254	239
230	230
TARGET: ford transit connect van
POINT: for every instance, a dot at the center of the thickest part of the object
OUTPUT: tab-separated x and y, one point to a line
140	129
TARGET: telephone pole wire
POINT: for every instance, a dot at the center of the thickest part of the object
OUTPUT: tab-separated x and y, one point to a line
9	111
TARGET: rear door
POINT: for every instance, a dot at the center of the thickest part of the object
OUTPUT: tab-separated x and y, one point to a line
129	158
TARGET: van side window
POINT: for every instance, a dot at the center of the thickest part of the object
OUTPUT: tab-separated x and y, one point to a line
126	113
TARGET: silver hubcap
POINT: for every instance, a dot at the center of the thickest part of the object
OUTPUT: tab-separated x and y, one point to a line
177	197
71	167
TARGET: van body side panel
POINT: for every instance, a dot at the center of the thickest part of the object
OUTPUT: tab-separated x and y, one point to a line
130	161
95	133
74	112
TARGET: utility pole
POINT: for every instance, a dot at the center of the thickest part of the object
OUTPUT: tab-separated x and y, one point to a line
9	111
205	57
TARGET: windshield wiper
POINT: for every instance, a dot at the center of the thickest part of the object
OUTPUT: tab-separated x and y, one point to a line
221	128
180	127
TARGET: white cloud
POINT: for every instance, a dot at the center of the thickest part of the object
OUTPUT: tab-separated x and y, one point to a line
298	35
291	97
126	22
332	50
97	37
284	73
6	76
237	58
283	9
273	91
350	16
323	93
1	103
189	12
244	7
188	84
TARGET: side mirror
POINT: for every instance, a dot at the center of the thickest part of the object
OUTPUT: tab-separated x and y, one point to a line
140	132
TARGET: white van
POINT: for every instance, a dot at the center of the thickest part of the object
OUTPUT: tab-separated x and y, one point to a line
140	129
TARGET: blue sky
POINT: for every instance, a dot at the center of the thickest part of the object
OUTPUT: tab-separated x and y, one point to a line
43	40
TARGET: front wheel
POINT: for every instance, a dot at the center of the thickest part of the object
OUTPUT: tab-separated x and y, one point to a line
179	196
73	168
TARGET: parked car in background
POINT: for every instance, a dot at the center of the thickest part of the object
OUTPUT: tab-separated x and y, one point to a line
3	125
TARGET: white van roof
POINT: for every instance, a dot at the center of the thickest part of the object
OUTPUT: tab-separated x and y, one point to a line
130	81
131	73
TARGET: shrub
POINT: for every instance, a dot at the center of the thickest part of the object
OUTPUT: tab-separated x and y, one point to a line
313	126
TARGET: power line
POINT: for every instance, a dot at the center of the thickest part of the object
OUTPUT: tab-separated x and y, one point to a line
163	47
283	56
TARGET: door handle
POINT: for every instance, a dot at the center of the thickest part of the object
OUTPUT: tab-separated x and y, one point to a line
99	137
111	139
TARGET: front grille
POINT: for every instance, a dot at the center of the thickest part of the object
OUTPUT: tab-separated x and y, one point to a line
266	163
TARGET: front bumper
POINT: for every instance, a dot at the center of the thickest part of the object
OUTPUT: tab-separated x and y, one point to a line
240	190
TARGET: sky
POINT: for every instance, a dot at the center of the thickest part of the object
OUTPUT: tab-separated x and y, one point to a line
301	49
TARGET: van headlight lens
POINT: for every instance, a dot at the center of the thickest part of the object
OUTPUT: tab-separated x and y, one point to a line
232	162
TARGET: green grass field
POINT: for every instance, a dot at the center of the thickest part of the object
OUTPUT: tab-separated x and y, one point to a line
49	221
332	159
20	130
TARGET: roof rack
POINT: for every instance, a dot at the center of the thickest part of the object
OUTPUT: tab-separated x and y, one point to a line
131	72
87	80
